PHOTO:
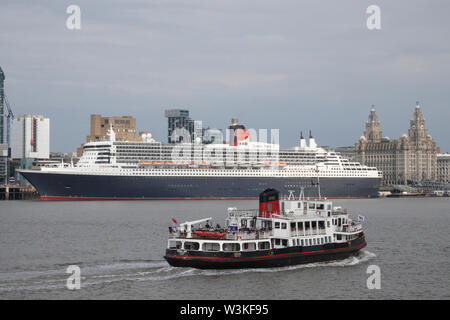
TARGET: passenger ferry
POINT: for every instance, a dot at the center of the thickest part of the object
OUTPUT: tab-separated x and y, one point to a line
280	233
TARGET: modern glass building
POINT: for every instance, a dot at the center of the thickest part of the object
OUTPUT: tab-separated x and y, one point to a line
181	128
2	106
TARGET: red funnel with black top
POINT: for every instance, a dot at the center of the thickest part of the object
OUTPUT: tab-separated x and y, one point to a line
269	203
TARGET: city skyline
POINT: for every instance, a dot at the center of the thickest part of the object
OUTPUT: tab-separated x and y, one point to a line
296	67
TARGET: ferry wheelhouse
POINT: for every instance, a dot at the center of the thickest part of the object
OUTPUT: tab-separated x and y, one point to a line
280	233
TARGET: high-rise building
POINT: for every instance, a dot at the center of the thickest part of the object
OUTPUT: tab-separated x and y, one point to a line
181	128
412	158
124	128
2	107
3	163
30	137
3	146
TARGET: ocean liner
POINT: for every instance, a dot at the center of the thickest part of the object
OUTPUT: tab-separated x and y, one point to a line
153	170
280	233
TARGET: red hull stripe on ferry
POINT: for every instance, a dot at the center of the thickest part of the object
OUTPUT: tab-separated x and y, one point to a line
268	256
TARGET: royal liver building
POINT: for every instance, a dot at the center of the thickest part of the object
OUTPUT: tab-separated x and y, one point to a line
412	158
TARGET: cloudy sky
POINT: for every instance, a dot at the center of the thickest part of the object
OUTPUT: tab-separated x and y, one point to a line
293	65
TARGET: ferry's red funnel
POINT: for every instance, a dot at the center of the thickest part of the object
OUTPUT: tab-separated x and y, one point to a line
269	203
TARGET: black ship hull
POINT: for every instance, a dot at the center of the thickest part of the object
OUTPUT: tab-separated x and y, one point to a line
265	258
57	186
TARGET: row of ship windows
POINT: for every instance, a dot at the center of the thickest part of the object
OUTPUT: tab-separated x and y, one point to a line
307	242
247	246
175	173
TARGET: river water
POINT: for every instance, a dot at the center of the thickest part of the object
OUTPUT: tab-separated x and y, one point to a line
119	247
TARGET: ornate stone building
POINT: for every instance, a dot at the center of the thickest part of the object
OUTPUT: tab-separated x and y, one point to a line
443	167
412	158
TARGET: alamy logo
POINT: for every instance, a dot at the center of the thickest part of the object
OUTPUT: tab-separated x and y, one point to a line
74	280
374	280
73	21
243	151
374	20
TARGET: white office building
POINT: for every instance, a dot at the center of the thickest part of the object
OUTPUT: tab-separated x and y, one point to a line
30	137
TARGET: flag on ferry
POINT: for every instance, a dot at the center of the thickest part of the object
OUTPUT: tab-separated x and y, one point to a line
361	218
174	221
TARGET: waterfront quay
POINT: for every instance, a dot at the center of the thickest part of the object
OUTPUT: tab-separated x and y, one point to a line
16	192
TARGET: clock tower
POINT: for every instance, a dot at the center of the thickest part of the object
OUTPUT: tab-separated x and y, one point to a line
373	131
417	130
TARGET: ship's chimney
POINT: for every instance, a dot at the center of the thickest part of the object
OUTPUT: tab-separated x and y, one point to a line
312	141
269	203
236	132
302	140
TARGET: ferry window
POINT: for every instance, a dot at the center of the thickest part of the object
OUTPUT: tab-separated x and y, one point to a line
312	205
314	241
329	207
231	247
284	242
277	242
320	206
175	244
321	224
299	205
339	237
300	225
191	246
211	246
283	225
328	224
307	225
249	246
264	245
277	225
302	242
314	224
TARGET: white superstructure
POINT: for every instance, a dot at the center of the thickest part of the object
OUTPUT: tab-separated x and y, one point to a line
247	159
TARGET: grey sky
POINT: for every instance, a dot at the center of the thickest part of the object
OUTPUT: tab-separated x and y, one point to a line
294	65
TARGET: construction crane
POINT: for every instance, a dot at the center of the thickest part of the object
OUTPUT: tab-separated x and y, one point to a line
9	114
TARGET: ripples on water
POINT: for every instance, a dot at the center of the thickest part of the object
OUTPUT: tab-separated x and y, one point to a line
119	246
141	271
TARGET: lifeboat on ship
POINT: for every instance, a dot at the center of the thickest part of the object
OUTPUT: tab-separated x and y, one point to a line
210	234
